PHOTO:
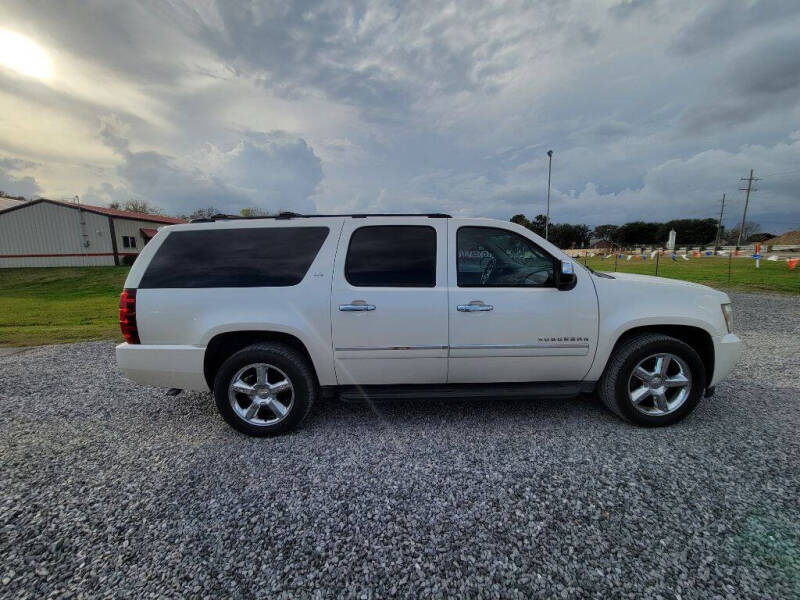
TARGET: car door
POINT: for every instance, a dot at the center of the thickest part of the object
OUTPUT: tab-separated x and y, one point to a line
389	302
508	321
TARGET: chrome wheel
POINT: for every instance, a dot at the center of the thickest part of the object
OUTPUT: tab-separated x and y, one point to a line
660	384
261	394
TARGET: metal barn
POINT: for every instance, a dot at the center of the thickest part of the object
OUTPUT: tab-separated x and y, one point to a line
51	233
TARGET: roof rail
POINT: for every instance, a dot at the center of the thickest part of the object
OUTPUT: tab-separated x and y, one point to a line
293	215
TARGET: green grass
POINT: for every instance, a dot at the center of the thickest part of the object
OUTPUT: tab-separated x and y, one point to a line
713	271
59	304
69	304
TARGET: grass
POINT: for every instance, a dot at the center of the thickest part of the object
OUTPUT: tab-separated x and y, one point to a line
713	271
59	304
70	304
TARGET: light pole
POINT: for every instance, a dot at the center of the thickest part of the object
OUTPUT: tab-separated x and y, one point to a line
549	171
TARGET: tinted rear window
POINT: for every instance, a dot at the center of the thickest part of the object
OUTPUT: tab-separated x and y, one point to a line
392	256
258	257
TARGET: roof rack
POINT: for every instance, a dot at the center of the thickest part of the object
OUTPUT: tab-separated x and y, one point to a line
293	215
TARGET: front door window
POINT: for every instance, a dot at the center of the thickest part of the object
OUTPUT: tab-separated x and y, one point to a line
492	257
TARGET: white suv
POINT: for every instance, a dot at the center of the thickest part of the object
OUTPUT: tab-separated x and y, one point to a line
269	312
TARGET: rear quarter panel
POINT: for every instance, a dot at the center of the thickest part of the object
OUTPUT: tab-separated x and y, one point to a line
193	316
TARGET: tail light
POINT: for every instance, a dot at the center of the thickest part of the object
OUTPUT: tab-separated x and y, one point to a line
127	316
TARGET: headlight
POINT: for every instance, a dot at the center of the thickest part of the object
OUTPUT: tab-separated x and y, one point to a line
728	314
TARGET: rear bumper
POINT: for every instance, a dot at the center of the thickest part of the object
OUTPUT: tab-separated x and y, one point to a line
726	353
163	366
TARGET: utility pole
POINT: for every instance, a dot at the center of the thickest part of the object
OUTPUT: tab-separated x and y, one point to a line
549	171
748	189
719	225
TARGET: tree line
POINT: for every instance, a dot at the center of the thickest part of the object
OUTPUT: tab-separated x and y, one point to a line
690	232
563	235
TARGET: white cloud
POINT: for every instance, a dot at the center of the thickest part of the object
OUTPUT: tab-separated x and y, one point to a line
14	181
267	170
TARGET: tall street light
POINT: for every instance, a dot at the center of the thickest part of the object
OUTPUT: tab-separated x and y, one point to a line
549	171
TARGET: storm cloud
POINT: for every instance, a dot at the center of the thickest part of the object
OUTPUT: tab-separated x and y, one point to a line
654	108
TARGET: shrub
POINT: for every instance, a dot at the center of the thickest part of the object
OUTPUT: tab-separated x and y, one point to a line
128	260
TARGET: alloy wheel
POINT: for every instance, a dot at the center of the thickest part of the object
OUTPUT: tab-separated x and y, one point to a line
261	394
659	384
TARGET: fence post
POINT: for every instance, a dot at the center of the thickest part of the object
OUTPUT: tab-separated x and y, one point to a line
658	254
616	256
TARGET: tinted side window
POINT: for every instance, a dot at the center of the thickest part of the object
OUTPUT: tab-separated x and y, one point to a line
491	257
392	256
258	257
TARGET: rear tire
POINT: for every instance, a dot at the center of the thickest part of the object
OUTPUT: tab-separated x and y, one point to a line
265	389
652	380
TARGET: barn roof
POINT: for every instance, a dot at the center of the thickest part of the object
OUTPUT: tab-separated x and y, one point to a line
100	210
6	202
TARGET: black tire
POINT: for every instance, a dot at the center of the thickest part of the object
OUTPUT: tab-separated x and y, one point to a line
613	385
297	370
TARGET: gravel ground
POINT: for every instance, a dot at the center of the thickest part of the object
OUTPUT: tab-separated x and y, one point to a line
112	489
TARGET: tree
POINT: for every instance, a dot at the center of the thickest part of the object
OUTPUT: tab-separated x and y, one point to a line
607	233
141	206
202	213
750	229
536	226
254	212
521	220
695	232
563	235
760	237
639	232
114	204
566	235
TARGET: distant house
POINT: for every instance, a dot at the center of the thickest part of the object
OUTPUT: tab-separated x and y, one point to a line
790	238
51	233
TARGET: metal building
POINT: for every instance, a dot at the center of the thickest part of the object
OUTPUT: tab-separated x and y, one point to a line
51	233
6	202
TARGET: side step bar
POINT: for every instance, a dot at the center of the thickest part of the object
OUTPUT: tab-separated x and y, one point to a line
559	389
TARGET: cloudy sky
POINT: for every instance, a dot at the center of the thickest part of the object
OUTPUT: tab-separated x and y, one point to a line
653	108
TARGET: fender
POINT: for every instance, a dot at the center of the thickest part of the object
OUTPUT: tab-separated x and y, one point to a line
630	301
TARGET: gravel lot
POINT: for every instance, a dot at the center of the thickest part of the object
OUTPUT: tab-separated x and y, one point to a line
111	489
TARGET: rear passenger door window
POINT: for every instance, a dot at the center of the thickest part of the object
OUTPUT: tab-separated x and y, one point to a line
392	256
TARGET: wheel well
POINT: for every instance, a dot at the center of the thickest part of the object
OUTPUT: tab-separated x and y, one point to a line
221	346
697	338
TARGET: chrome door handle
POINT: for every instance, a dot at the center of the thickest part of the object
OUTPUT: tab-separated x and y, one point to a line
356	307
474	307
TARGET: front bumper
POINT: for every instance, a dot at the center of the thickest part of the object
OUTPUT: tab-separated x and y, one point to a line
726	353
163	366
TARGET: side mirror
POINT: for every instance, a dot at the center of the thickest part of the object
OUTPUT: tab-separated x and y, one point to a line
564	275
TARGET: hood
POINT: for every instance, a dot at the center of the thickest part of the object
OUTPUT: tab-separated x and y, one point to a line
658	284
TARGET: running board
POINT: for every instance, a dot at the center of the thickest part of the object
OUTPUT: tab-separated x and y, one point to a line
556	389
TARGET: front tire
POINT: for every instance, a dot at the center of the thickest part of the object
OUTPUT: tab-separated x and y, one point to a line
652	380
265	389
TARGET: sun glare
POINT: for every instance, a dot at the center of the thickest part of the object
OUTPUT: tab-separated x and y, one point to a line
24	55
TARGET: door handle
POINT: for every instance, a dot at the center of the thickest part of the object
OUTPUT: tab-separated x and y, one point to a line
474	307
356	307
